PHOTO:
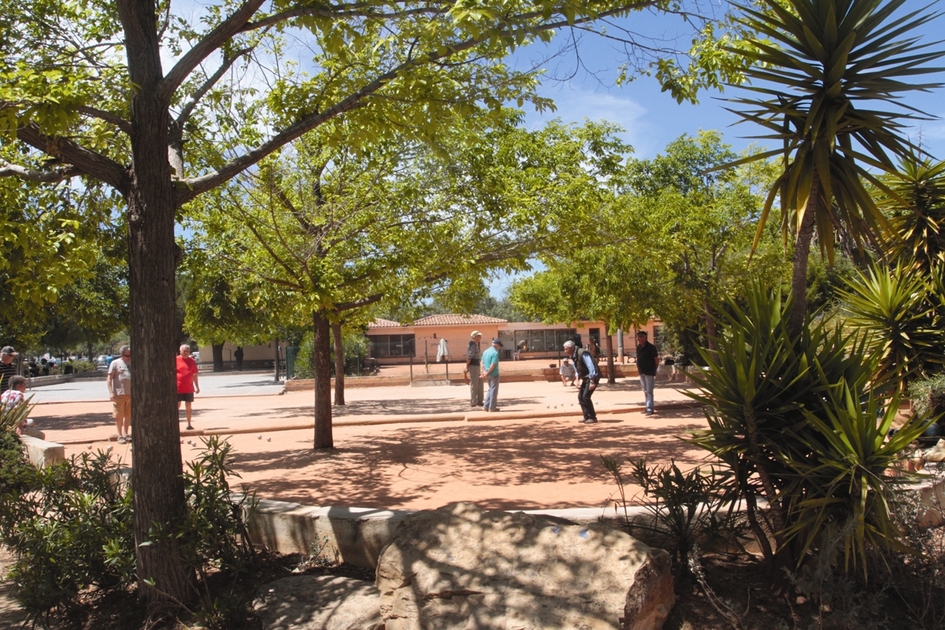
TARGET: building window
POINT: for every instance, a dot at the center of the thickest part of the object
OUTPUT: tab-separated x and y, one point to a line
541	340
387	346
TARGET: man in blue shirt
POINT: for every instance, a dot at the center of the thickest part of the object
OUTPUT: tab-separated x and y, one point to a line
589	375
490	372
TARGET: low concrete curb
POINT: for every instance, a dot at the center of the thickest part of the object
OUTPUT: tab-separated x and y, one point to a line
358	535
42	453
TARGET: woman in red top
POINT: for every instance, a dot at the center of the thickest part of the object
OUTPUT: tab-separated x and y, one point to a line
187	384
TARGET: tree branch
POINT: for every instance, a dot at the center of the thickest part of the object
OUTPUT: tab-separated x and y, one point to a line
228	62
84	161
39	176
108	117
206	47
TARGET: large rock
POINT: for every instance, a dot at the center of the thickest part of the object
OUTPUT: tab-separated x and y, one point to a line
321	602
459	567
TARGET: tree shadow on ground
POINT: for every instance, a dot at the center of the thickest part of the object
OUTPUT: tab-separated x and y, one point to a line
79	421
395	466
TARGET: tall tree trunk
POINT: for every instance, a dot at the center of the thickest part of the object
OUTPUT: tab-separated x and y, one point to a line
217	350
805	234
321	364
609	344
152	202
710	330
339	364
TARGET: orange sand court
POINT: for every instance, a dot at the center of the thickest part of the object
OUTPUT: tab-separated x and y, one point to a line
422	447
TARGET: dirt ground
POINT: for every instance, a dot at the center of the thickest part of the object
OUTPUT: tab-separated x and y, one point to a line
421	447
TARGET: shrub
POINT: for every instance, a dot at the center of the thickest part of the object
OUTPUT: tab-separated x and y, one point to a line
688	510
928	396
70	528
795	421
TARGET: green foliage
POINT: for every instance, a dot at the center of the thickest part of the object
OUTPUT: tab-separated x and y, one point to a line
214	533
356	348
12	418
915	203
891	307
688	510
815	62
72	531
70	526
795	421
928	396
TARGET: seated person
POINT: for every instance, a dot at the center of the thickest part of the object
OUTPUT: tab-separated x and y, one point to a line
13	398
567	372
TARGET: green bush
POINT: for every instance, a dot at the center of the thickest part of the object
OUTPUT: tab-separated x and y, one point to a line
356	347
928	396
797	422
688	510
71	528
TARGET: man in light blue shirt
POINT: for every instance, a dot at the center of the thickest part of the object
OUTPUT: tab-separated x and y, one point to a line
490	372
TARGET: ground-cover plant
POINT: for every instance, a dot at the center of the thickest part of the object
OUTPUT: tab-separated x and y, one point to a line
794	419
70	528
687	510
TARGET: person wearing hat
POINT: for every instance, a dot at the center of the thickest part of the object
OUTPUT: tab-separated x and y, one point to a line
473	357
7	367
490	372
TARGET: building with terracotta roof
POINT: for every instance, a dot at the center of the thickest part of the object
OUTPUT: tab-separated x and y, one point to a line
423	339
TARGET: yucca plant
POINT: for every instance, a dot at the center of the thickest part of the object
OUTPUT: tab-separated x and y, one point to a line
13	417
820	67
916	209
892	307
842	492
762	389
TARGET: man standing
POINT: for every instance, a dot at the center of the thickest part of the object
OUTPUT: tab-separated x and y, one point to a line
7	367
119	391
490	372
473	357
187	384
238	355
647	361
589	374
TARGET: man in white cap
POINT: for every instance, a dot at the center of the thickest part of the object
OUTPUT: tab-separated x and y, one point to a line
589	375
490	372
473	358
7	367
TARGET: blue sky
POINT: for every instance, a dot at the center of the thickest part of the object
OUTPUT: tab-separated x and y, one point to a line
652	118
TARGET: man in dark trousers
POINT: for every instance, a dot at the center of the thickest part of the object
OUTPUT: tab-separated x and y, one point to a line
648	360
589	374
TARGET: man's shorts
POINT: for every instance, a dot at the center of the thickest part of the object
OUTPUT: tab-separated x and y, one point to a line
185	397
121	407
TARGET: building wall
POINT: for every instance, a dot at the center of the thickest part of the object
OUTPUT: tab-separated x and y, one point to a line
427	339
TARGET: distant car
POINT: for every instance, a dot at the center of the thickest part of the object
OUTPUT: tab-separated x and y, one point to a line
102	361
195	356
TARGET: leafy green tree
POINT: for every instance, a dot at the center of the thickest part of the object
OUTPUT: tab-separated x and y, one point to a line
692	223
84	93
820	67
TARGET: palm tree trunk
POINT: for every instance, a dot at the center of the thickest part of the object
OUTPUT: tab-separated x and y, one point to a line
805	235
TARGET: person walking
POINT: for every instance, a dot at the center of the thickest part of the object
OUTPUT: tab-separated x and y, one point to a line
587	371
490	372
473	359
648	361
119	391
238	355
187	384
